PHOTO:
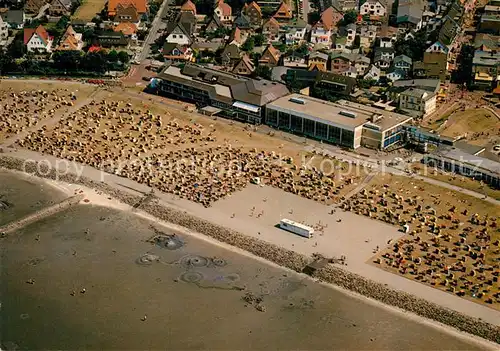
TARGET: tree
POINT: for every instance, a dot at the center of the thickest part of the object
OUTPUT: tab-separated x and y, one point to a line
67	60
112	56
17	49
349	17
95	62
413	47
123	57
263	72
248	45
62	23
259	39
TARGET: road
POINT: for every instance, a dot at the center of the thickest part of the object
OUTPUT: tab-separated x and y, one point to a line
153	32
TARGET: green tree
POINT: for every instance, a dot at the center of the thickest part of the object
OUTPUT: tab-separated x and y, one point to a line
112	56
123	57
94	62
259	39
67	60
349	17
17	49
62	23
249	44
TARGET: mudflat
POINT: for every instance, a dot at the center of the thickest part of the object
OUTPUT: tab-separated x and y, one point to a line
93	277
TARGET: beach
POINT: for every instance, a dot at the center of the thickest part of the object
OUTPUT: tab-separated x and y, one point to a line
90	277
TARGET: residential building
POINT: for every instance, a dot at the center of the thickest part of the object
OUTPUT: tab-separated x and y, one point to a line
333	84
110	39
317	61
140	6
431	85
341	63
409	14
234	96
270	57
254	13
350	34
367	36
244	66
213	23
60	8
361	63
340	45
284	12
321	32
189	6
343	123
176	33
454	160
126	12
230	55
486	69
387	36
236	37
436	61
37	40
294	59
13	18
417	102
188	21
384	54
33	6
486	42
394	74
373	73
70	41
295	33
224	12
177	53
490	23
128	29
382	63
242	21
403	62
372	8
271	30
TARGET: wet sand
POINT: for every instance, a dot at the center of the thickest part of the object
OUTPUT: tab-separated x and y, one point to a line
97	249
25	195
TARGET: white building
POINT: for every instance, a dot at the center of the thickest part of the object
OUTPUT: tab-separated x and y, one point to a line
372	8
37	40
417	102
178	35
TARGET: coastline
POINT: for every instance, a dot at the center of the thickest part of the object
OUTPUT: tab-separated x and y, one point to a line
279	256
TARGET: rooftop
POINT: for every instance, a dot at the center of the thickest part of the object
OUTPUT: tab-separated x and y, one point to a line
225	86
342	113
464	157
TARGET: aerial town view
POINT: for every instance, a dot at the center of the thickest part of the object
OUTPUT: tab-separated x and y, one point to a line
252	175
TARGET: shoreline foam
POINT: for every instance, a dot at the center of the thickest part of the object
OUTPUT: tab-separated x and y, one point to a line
280	256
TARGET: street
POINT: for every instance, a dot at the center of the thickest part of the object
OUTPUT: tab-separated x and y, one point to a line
153	32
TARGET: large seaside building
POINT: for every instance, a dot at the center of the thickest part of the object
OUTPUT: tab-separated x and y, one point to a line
344	123
226	94
452	159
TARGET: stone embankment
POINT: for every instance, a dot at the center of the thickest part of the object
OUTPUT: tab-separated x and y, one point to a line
281	256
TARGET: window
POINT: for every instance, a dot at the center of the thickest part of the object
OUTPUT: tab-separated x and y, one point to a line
174	36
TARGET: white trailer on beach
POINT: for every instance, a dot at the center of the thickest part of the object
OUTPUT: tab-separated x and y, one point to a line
296	228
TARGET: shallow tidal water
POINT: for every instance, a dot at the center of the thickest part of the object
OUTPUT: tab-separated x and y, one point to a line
90	278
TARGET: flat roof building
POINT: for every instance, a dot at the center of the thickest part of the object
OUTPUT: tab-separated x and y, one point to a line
455	160
235	96
344	123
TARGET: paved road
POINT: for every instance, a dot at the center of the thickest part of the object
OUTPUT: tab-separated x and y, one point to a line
153	32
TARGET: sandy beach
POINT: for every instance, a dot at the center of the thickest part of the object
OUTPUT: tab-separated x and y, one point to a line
89	277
